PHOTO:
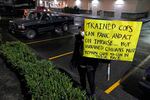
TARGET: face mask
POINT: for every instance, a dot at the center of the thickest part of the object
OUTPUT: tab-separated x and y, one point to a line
82	33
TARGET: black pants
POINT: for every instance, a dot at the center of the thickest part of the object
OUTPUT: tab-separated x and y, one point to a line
90	72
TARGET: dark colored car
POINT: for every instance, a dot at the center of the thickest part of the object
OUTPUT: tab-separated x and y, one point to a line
40	22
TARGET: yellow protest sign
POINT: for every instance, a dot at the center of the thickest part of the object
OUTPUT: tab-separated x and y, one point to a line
111	39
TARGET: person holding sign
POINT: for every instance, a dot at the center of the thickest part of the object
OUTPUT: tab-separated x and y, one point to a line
86	66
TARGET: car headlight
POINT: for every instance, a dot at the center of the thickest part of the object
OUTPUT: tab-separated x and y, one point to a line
143	78
10	21
21	26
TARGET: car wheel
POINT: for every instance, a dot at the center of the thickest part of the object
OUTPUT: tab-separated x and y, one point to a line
11	31
30	34
58	30
65	28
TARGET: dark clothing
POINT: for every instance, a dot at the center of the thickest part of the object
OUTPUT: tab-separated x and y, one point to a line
85	66
78	53
90	76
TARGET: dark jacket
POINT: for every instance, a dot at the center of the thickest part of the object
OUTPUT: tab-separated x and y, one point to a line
78	53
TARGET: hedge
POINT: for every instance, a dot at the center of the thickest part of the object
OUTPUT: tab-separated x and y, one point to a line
0	37
43	80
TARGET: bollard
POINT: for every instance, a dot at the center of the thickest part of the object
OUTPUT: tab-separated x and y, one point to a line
108	71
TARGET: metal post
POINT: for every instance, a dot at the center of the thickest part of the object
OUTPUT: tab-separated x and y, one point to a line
108	72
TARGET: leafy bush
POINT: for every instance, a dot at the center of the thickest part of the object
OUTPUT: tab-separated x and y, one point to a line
16	52
44	81
0	38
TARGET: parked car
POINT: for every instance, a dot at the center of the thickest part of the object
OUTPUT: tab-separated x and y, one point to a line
38	22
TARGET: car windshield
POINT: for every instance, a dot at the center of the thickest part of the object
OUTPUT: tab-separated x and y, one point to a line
145	29
146	26
34	16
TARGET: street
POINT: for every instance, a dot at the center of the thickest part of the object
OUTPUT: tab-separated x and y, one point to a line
59	47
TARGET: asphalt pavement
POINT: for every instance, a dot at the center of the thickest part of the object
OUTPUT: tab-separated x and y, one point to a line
58	48
10	88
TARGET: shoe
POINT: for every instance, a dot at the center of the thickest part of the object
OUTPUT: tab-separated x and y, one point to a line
91	97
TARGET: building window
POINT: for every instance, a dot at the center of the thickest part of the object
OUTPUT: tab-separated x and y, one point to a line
108	14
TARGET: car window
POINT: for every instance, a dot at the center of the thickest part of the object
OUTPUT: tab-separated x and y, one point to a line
38	16
45	17
31	16
34	16
146	26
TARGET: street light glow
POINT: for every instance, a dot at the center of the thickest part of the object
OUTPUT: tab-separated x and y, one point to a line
41	3
78	2
95	2
55	2
119	2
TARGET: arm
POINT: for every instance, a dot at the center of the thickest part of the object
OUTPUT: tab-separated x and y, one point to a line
76	53
77	44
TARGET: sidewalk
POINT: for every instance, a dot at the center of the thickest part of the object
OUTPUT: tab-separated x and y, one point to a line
9	84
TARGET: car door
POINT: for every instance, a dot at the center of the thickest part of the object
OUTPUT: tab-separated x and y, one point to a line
45	23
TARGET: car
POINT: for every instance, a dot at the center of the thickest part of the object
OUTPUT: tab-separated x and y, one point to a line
38	22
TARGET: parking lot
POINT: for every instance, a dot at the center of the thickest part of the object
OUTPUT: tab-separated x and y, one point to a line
59	47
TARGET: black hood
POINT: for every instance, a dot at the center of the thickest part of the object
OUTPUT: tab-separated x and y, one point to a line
24	21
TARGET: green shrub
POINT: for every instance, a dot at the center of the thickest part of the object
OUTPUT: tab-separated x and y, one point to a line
17	52
44	81
0	38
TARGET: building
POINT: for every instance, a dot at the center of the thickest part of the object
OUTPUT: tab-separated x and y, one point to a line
104	8
52	3
113	8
